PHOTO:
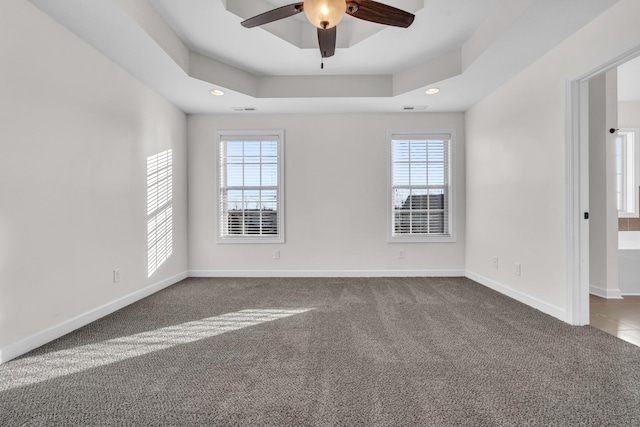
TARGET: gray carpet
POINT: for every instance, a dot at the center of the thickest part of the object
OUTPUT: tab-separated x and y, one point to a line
305	352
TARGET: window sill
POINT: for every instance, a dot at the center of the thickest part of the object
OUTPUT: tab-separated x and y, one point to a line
251	240
628	215
421	239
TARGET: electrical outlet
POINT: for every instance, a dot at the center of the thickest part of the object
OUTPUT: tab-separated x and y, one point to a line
518	269
401	255
116	275
276	254
495	262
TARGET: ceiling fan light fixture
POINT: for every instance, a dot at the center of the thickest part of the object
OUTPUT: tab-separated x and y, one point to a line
325	14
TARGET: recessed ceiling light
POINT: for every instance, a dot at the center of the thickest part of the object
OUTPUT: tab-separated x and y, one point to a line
216	92
432	91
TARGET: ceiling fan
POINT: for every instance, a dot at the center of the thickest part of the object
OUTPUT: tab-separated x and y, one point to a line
326	14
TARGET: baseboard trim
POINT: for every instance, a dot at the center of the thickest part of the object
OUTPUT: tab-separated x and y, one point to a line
326	273
542	306
605	293
38	339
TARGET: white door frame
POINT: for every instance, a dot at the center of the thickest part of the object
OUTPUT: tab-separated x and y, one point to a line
577	189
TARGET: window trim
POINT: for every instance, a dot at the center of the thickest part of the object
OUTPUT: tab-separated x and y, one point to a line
243	239
451	204
635	213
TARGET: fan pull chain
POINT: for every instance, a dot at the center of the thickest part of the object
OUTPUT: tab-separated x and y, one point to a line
322	64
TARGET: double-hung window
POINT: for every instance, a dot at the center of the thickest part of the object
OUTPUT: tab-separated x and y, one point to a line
250	186
627	172
421	190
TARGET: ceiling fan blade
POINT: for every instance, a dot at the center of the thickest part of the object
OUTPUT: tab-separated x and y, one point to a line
274	15
369	10
327	41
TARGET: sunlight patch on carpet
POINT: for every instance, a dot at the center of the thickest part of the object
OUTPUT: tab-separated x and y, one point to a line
31	370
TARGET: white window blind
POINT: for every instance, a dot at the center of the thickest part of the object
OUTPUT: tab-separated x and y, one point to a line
420	186
159	209
250	199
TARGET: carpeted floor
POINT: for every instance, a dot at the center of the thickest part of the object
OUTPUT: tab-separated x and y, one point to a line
325	352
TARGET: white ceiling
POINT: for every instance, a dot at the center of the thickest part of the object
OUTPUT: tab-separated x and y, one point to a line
183	49
200	23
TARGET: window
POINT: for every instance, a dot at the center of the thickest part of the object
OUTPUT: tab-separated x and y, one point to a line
627	172
251	195
159	210
421	189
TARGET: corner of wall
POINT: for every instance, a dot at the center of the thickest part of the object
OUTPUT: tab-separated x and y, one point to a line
38	339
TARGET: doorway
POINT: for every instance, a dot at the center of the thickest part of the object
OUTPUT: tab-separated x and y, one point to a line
578	235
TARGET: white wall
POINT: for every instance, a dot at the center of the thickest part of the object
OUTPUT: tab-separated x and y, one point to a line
629	113
603	211
75	131
516	170
336	199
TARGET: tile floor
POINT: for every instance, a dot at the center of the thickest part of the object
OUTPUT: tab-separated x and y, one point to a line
619	317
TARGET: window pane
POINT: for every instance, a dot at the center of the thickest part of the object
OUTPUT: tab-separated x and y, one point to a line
252	148
252	175
400	151
269	222
269	206
419	173
402	223
234	148
269	148
235	222
419	222
436	199
436	223
401	198
401	174
619	183
418	151
234	175
234	200
419	199
252	221
269	195
270	175
251	199
436	151
436	174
